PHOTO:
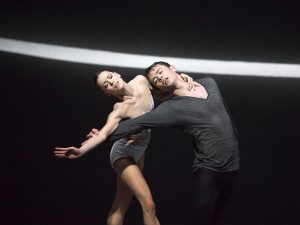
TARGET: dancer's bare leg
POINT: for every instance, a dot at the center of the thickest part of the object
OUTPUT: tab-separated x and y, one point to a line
120	204
131	175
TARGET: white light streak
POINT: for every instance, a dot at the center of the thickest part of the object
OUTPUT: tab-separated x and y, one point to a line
108	58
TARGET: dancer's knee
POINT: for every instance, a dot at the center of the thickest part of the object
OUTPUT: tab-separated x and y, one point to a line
149	207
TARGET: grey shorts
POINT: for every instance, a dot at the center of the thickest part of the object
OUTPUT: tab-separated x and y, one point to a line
134	151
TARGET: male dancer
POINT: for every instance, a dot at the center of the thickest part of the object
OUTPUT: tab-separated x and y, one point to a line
202	114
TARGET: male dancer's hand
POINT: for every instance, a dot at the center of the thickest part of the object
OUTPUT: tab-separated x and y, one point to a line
133	139
92	133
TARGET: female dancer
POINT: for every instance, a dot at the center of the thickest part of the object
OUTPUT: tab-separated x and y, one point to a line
134	99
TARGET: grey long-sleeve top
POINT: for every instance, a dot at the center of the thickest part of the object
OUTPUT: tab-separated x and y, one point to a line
207	120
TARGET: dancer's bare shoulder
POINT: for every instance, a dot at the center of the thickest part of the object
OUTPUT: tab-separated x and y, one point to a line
141	79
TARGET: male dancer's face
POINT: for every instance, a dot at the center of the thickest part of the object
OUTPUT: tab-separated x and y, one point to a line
163	77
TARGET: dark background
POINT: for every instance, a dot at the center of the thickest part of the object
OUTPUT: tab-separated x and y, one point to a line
48	103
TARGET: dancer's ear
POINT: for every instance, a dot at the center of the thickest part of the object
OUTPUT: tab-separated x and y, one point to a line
173	68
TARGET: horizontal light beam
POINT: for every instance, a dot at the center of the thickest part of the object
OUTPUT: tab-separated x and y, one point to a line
108	58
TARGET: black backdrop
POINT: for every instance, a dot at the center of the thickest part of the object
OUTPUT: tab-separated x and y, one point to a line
47	103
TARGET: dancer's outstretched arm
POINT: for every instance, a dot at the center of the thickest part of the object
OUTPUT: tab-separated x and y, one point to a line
164	115
112	123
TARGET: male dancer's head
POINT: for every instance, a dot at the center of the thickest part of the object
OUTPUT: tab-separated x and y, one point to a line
163	76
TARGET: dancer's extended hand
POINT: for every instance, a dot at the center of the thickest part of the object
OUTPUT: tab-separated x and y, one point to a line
69	152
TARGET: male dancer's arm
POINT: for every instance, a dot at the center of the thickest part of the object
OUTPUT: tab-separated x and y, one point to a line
165	115
162	116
